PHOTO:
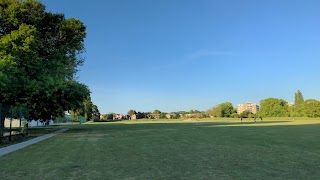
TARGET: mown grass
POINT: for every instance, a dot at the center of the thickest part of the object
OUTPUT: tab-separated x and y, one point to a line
204	149
32	133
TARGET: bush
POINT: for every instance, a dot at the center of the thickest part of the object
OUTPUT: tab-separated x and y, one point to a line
252	115
234	115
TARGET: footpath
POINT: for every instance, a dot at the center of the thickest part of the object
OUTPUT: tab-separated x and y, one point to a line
21	145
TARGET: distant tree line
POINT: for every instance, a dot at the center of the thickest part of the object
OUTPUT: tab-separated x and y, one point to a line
272	107
162	115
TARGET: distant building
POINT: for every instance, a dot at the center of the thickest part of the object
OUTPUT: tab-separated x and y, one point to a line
118	116
194	115
133	116
169	116
249	106
148	116
156	116
290	104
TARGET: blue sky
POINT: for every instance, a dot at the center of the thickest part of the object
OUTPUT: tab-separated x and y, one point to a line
176	55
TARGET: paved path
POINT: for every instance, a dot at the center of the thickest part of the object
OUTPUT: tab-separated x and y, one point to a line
18	146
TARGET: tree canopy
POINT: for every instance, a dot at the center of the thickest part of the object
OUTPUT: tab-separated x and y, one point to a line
221	110
88	110
131	112
273	107
39	55
298	104
156	111
298	98
311	108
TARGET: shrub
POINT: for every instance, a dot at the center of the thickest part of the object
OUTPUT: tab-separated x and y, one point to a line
234	115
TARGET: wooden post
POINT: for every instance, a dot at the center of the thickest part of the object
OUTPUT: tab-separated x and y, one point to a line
11	109
20	114
1	116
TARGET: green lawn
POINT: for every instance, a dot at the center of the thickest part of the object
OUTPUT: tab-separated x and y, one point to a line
32	133
204	149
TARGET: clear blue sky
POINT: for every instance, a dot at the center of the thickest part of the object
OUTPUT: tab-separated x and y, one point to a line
176	55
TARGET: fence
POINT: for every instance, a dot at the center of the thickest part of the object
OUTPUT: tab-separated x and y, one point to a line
13	122
39	123
70	120
82	120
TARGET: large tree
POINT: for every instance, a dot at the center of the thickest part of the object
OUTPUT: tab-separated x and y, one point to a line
156	111
221	110
298	98
273	107
68	96
298	104
87	109
39	55
311	108
131	112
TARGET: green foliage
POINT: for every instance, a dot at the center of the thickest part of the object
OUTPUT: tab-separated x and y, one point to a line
221	110
163	115
194	111
74	116
176	116
235	115
298	98
131	112
54	100
39	55
181	112
95	113
245	114
211	150
311	108
156	111
108	116
298	104
252	115
88	110
273	107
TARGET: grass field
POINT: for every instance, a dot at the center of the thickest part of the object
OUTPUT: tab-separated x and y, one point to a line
32	133
187	149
